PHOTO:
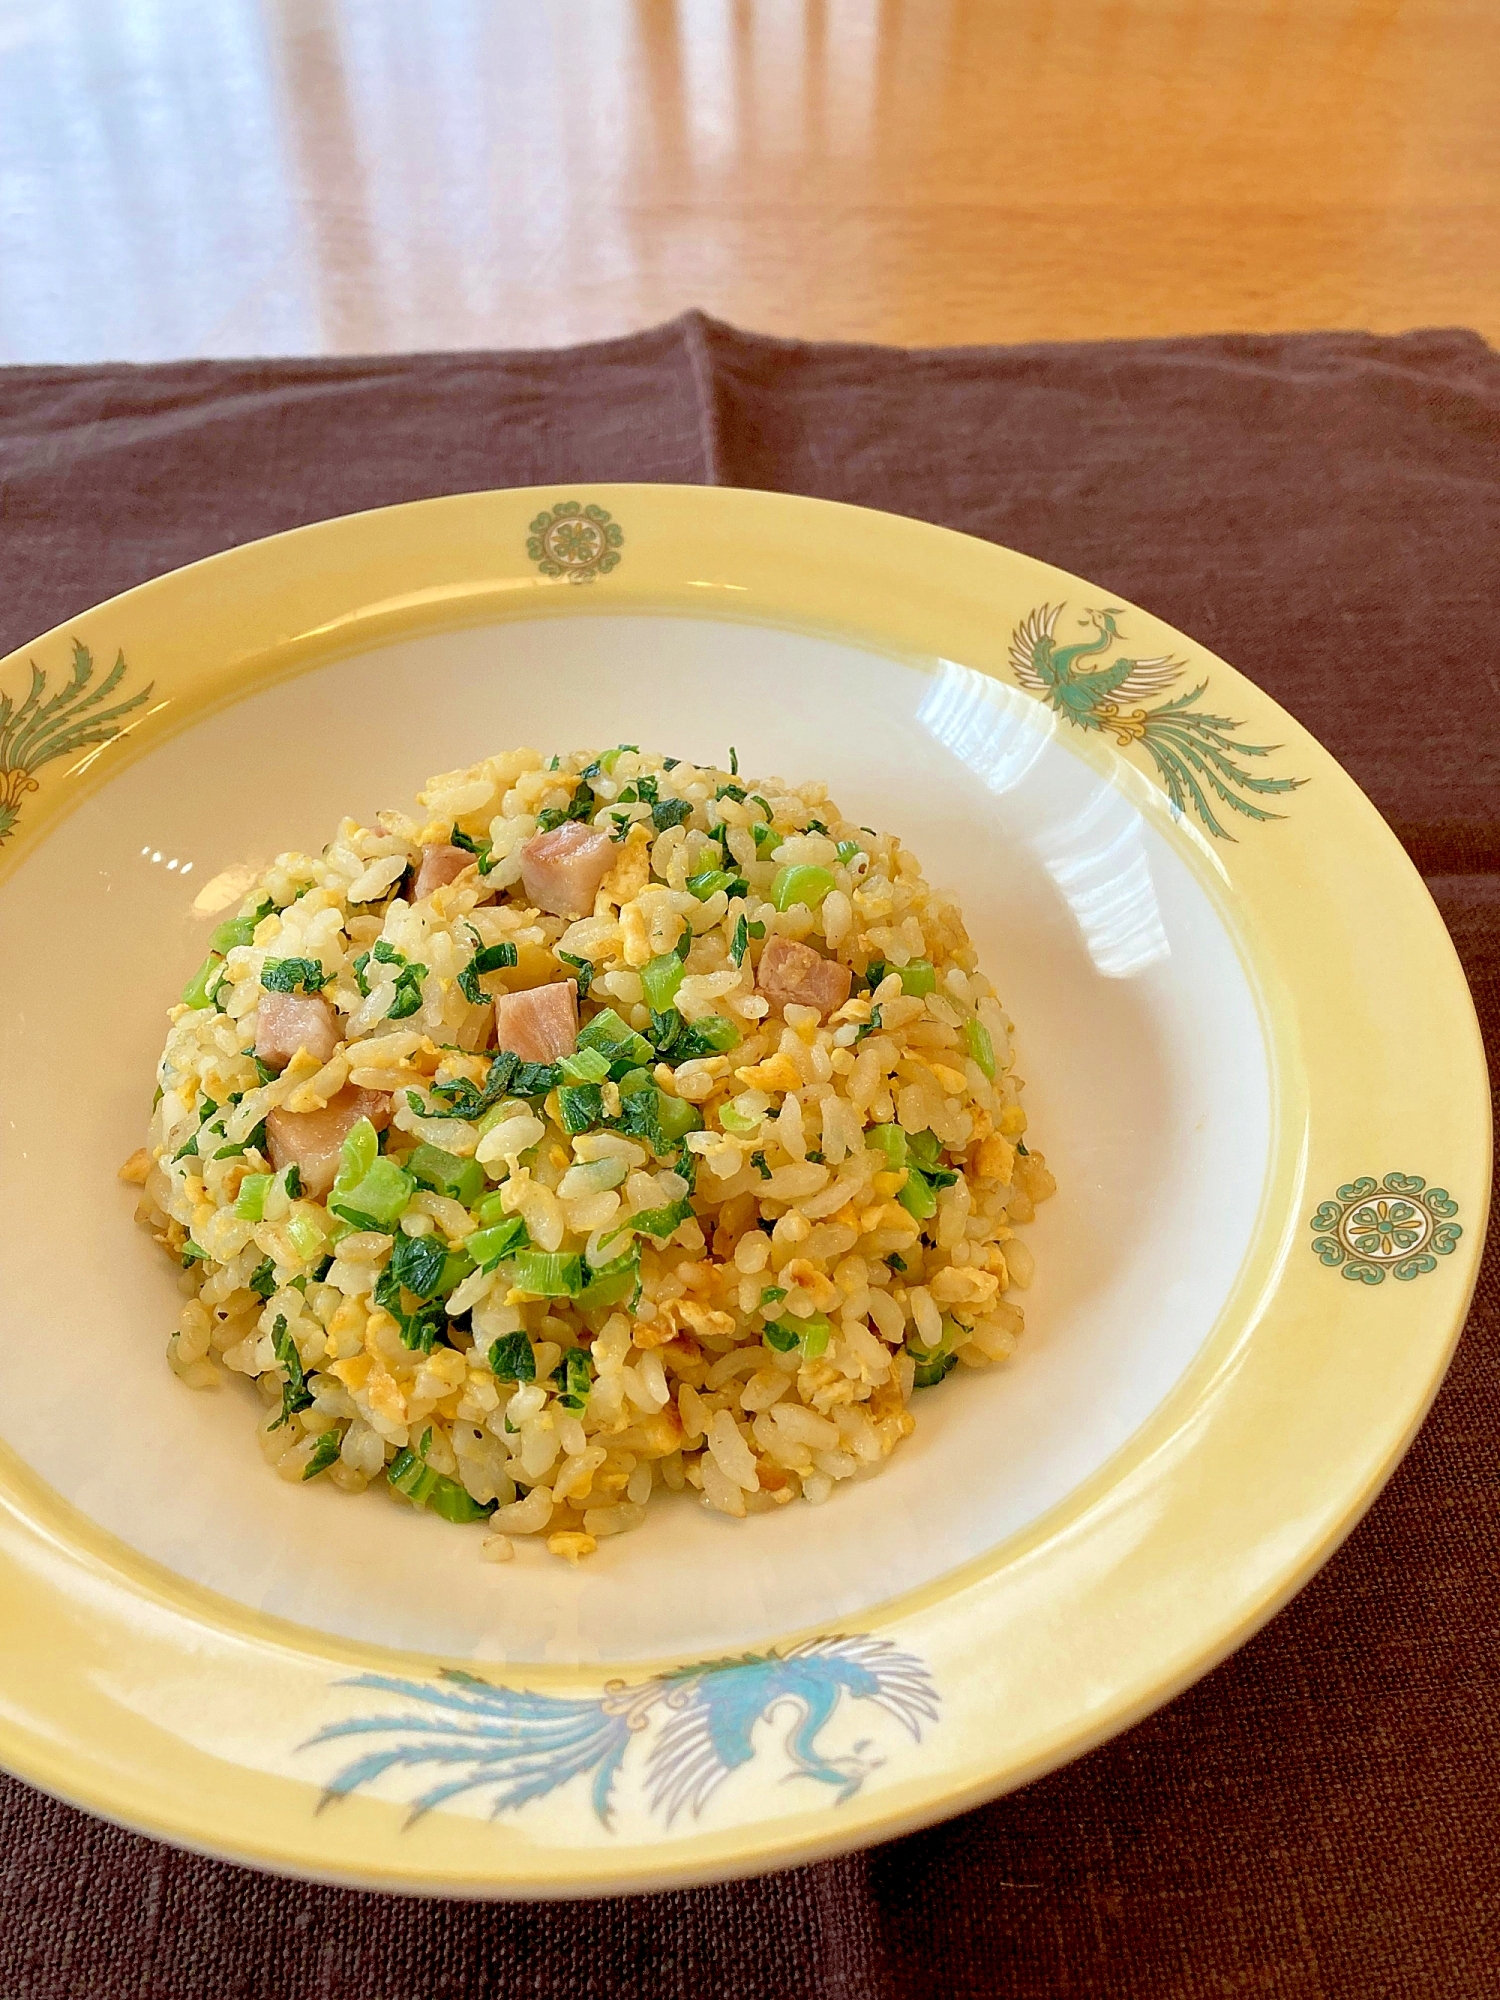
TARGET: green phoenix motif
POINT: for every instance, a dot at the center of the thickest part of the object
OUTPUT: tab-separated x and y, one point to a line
1193	751
42	730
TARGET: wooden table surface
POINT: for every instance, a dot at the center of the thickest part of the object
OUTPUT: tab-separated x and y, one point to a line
278	176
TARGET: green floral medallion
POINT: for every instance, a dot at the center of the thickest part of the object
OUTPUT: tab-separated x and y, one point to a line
1194	752
41	730
576	541
1396	1225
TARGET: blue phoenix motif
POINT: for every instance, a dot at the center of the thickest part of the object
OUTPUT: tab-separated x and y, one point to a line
519	1746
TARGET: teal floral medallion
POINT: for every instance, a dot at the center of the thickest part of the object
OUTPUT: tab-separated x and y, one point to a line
1194	751
43	727
696	1725
576	541
1398	1225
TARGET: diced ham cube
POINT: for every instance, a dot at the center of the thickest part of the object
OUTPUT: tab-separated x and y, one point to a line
311	1139
286	1022
794	973
539	1025
561	870
439	866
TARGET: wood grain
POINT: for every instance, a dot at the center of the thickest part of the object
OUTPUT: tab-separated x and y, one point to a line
231	176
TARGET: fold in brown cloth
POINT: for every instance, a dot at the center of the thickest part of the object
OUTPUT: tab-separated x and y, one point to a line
1317	1817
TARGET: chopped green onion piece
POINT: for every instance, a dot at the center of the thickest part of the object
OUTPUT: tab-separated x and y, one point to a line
675	1118
737	1122
191	1254
612	1284
307	1238
610	1034
445	1173
378	1200
548	1274
490	1246
195	993
325	1453
847	849
490	1210
441	1496
890	1140
417	1263
251	1203
588	1066
713	1035
661	979
917	1197
359	1152
933	1363
803	884
772	1295
712	880
811	1334
240	930
513	1358
763	833
918	976
981	1047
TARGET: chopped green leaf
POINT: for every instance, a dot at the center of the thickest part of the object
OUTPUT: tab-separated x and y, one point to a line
896	1263
295	1394
779	1334
325	1453
584	969
772	1295
735	792
573	1377
870	1027
734	761
1022	1149
579	807
811	1334
659	1223
535	1079
758	1161
289	975
670	812
263	1279
489	958
513	1358
417	1263
461	1099
580	1106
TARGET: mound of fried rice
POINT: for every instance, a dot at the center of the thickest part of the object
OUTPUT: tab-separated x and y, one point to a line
617	1124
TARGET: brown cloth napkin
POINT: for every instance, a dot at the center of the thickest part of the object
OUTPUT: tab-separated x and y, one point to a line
1317	1818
